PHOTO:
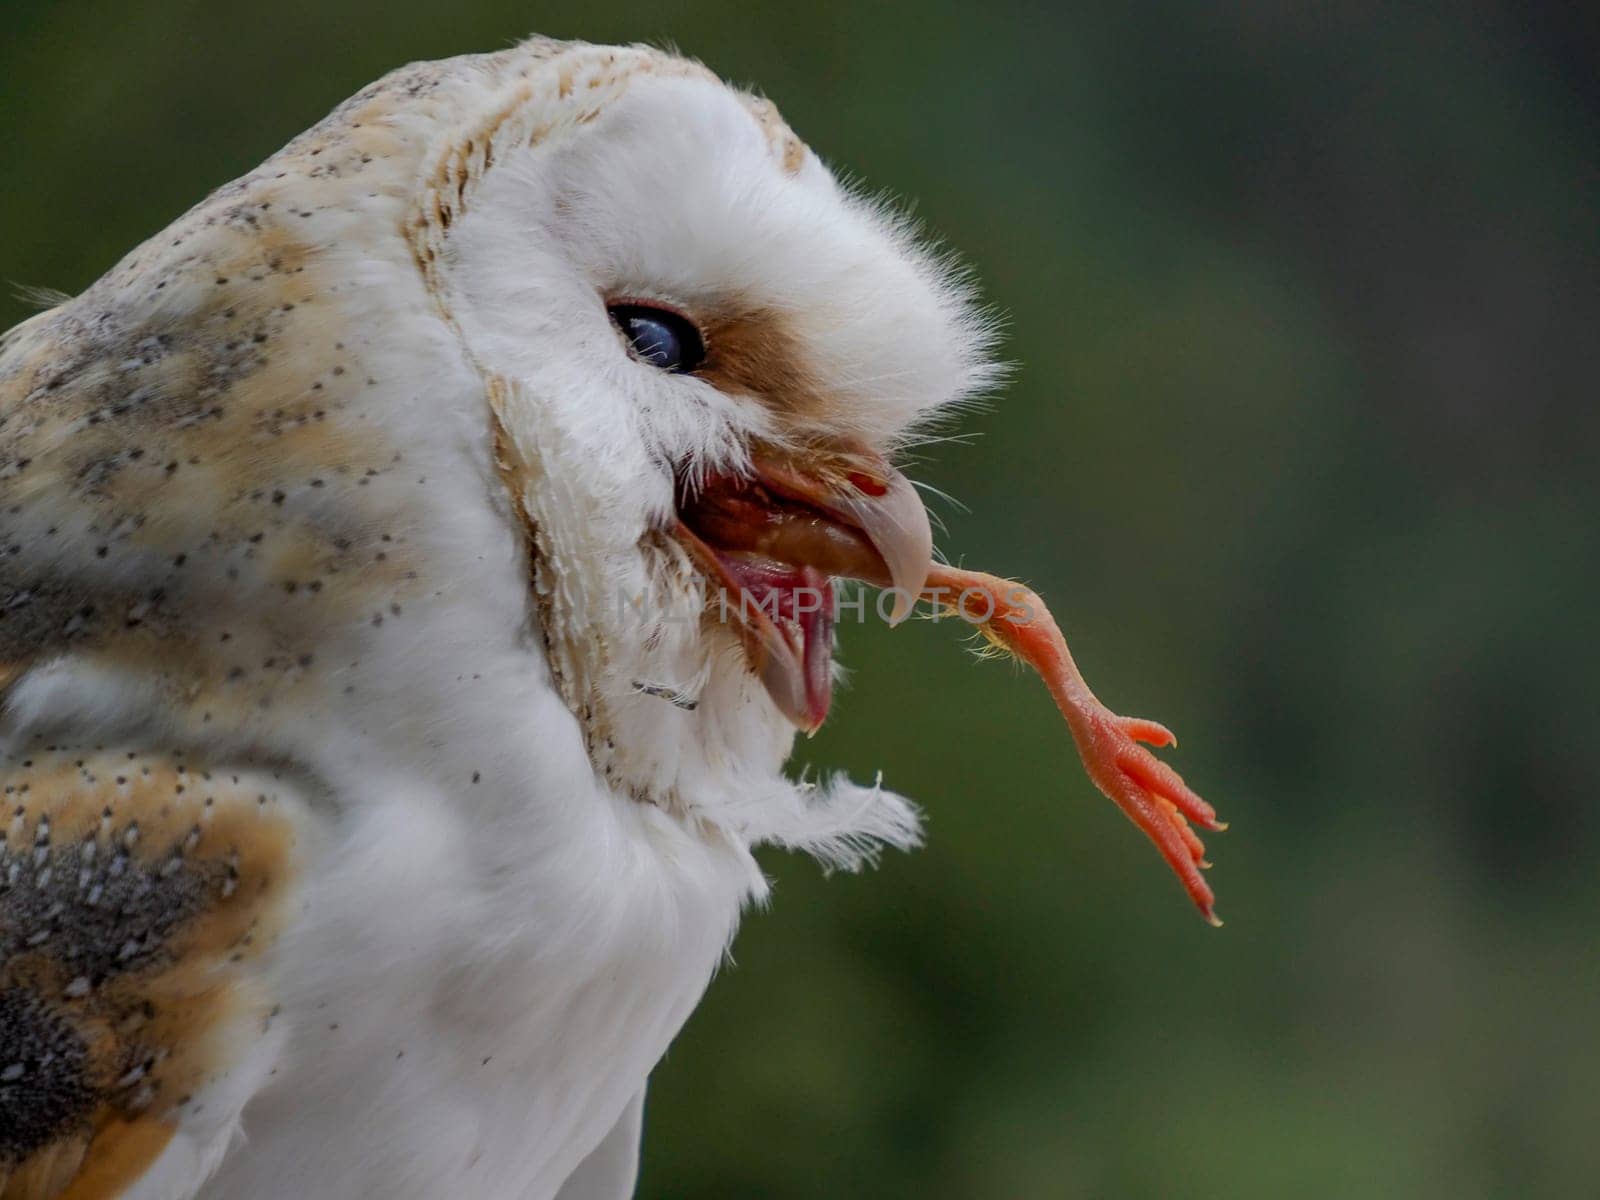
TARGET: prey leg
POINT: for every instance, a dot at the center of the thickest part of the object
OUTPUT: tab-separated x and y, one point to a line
1151	794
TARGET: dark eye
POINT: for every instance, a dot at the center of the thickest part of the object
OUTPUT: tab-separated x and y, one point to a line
660	337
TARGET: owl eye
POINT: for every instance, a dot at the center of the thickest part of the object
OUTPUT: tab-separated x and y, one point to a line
660	337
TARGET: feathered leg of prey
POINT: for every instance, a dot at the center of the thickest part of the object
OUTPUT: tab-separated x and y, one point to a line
1151	794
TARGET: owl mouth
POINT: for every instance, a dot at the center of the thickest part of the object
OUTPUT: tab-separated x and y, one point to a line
771	544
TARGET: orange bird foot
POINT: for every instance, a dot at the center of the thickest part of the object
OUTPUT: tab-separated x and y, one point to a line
1151	794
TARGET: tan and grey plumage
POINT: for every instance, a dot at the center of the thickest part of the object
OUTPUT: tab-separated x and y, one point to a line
382	784
137	887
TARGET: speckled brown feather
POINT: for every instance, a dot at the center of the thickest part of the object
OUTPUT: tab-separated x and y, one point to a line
193	433
134	890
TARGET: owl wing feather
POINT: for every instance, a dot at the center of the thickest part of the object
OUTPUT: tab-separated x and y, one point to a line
139	896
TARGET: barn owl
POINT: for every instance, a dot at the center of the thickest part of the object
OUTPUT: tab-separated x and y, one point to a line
381	786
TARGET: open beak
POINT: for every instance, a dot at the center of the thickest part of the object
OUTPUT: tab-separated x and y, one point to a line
773	542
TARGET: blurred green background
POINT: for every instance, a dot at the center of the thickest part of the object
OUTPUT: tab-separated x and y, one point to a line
1301	446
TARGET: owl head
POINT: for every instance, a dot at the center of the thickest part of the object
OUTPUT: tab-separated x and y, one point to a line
702	353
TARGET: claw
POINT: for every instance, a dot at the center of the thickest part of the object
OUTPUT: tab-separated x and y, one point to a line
1148	791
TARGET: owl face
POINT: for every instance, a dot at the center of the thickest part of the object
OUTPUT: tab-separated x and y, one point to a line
701	353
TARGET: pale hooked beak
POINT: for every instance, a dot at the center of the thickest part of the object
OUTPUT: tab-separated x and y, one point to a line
867	494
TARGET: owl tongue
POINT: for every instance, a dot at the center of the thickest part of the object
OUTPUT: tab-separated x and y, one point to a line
790	611
783	613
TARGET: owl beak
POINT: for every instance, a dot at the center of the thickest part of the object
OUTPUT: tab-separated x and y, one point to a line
864	496
775	540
